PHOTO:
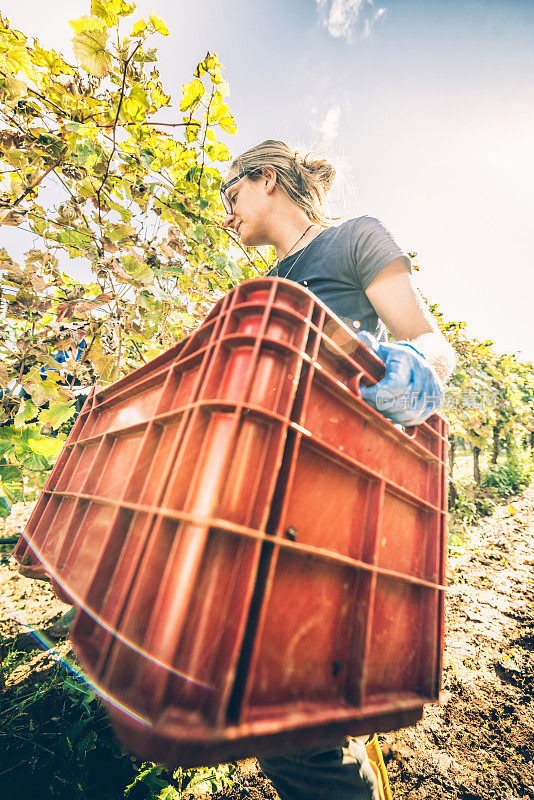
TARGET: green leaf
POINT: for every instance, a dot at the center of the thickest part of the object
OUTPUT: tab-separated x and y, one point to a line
5	508
57	414
88	742
79	127
75	730
79	242
6	443
35	463
9	473
150	775
169	793
191	94
12	490
158	25
26	412
118	233
124	213
160	294
138	270
147	157
199	233
87	155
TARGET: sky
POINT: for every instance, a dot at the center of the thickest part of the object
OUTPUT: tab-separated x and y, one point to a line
425	108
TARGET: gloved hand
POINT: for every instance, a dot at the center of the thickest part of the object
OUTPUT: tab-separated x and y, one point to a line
410	391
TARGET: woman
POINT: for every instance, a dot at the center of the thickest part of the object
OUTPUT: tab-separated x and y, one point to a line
274	197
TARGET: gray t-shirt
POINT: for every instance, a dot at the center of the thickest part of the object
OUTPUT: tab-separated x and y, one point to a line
340	263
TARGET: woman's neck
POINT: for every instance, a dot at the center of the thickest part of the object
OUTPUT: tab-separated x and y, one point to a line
293	235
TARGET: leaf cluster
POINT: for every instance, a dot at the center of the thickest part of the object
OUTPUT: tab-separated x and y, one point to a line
96	165
487	390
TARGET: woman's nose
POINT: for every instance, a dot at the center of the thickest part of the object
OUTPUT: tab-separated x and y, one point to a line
229	220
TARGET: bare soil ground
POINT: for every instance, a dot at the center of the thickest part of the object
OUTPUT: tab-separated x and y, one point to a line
478	744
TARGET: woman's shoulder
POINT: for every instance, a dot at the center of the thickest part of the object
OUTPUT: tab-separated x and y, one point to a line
352	231
363	223
364	228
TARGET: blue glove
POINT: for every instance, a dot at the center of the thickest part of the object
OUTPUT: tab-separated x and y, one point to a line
410	391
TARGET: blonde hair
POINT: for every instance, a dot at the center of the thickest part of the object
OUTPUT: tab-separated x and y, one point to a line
305	180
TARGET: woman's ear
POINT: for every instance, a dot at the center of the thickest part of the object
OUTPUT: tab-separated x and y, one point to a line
269	176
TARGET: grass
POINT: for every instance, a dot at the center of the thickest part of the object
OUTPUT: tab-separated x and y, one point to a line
56	742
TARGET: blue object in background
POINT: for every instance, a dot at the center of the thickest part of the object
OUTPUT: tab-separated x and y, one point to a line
63	355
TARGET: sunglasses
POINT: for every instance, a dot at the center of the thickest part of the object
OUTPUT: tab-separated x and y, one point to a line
227	203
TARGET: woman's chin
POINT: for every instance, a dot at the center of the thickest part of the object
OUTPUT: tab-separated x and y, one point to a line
249	240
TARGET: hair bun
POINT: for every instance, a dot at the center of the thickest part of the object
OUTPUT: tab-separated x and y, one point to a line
320	168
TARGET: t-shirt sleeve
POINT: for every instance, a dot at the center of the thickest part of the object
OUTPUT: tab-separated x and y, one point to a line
373	247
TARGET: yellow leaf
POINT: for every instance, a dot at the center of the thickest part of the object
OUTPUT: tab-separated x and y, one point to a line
139	27
158	96
159	25
110	10
220	113
17	59
84	24
135	105
120	232
103	363
137	270
227	123
512	509
90	50
99	8
17	89
218	152
49	448
191	94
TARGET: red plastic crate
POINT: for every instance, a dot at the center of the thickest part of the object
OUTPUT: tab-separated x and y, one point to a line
257	555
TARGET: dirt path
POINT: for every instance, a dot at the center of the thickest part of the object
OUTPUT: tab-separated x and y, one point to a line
479	743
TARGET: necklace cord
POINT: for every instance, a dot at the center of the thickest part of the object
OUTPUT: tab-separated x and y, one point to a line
288	252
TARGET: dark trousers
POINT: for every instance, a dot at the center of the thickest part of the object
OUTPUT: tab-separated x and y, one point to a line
341	773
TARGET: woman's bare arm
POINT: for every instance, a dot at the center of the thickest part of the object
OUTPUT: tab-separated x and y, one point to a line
399	304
